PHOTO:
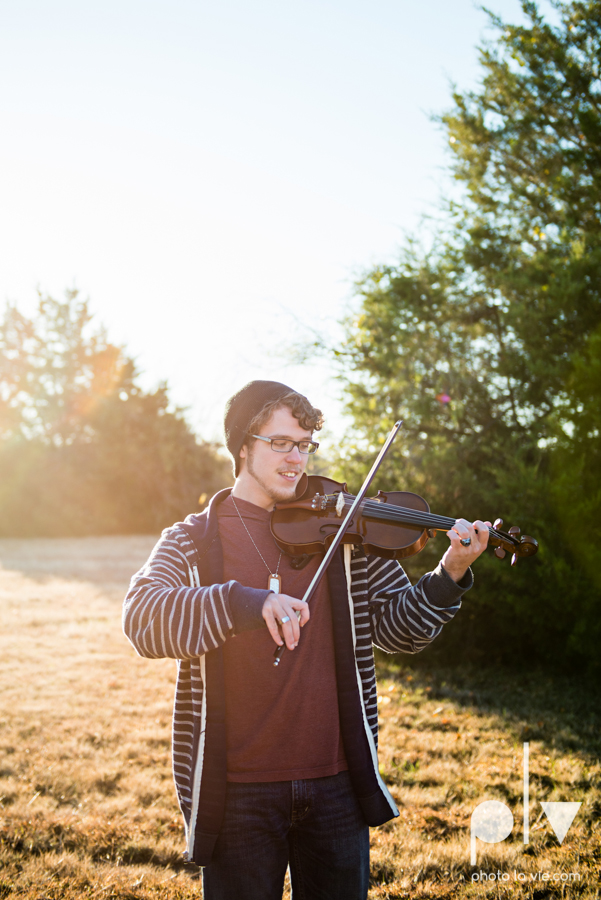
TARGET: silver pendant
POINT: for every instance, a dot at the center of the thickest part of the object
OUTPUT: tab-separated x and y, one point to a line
274	583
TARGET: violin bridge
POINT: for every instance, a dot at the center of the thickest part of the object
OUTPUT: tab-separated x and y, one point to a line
340	505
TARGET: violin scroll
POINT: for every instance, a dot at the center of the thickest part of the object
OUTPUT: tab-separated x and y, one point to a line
513	542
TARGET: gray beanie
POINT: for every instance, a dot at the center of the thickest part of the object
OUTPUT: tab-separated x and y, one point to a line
242	408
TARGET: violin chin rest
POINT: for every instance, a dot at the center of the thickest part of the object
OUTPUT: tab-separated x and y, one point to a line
301	487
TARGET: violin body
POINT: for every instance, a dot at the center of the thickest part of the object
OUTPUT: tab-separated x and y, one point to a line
393	525
301	527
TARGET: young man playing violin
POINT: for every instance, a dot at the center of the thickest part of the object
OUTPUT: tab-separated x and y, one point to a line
277	767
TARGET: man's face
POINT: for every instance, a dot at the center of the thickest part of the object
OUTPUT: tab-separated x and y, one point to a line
267	476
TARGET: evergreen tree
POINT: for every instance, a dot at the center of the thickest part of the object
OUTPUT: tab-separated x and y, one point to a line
489	345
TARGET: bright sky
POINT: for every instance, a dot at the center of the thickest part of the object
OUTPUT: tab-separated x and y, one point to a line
213	174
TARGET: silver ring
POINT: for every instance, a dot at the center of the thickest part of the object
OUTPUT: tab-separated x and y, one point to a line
465	542
284	620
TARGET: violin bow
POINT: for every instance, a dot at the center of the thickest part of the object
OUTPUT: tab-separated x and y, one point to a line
344	527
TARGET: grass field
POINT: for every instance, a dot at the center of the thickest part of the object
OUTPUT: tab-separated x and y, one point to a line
87	805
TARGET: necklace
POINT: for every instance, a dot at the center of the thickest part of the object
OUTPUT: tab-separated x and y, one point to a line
274	582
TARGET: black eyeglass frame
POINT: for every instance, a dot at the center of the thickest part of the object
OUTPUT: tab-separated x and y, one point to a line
294	444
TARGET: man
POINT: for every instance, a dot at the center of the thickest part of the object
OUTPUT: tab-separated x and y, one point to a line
277	767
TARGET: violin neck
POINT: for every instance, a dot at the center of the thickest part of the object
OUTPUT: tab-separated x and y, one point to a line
419	519
413	518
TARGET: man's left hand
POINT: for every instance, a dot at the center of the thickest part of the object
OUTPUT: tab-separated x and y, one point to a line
459	557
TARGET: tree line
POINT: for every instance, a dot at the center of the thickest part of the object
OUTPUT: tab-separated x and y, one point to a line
83	448
488	342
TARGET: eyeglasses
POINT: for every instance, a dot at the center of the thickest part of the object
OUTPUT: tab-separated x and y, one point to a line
283	445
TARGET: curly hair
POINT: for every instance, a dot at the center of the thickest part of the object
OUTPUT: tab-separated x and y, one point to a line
308	416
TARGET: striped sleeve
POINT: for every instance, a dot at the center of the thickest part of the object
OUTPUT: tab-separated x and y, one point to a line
406	617
165	615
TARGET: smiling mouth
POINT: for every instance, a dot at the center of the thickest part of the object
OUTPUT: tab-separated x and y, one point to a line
289	474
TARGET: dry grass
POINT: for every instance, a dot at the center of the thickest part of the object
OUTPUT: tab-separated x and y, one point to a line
87	806
449	743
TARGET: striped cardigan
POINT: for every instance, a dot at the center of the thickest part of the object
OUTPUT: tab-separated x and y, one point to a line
178	606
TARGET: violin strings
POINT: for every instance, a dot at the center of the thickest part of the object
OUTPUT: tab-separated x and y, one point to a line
414	517
394	513
424	520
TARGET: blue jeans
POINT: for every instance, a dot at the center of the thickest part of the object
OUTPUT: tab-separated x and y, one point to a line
315	826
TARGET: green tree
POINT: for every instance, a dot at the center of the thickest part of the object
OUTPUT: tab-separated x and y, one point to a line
83	449
488	345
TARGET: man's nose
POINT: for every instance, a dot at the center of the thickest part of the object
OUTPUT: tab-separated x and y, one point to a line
294	455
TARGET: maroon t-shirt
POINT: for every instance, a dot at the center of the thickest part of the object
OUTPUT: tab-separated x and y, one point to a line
282	722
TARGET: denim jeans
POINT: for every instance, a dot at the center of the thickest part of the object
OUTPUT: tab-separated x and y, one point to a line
315	826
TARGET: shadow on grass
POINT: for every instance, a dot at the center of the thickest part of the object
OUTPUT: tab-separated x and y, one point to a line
563	712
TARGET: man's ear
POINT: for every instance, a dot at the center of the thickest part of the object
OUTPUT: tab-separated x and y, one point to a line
243	452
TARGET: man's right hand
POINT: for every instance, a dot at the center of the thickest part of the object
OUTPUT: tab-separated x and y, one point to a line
275	609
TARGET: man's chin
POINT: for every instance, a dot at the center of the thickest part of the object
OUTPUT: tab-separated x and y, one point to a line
283	494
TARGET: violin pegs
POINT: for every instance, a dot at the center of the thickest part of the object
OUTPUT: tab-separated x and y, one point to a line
515	530
498	523
514	559
499	551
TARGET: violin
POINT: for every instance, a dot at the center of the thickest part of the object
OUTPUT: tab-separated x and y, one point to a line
393	524
385	525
